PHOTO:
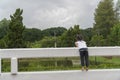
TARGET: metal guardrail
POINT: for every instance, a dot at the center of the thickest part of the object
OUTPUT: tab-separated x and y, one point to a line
14	54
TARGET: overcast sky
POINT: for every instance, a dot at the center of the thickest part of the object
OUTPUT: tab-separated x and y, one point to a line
44	14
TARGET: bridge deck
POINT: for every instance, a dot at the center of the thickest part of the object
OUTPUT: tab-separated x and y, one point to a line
99	74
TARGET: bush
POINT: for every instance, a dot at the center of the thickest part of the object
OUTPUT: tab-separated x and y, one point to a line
65	63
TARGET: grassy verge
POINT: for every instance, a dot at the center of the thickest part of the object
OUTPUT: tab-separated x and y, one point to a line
71	63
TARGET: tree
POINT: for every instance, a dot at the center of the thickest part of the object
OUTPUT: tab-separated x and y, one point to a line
97	40
32	35
45	42
69	37
87	33
118	10
54	31
104	18
4	24
16	29
114	37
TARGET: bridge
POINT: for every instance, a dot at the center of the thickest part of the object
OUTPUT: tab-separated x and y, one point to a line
92	74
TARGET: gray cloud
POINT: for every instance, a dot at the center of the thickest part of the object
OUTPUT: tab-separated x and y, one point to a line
51	13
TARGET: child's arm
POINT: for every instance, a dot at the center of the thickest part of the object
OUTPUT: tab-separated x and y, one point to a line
76	44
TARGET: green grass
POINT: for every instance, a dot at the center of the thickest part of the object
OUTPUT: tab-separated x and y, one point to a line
115	60
48	64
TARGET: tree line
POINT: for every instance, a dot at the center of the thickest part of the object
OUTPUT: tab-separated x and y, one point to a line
105	30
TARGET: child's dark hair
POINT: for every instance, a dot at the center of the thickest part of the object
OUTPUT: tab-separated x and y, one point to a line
79	37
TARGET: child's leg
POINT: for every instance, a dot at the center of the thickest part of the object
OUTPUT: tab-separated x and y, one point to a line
86	58
82	58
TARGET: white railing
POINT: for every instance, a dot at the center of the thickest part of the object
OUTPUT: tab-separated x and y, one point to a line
14	54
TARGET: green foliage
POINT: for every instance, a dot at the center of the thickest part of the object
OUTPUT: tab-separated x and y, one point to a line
32	35
45	42
2	43
16	29
104	18
4	24
97	40
52	40
117	9
55	31
65	63
43	64
87	34
18	36
114	37
40	64
69	37
6	65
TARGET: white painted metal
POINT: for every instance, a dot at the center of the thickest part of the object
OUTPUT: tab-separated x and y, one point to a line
57	52
14	66
39	52
0	66
58	75
65	75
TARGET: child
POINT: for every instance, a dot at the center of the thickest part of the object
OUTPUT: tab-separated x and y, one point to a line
83	50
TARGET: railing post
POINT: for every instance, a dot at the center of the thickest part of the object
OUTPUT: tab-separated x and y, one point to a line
0	66
14	66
